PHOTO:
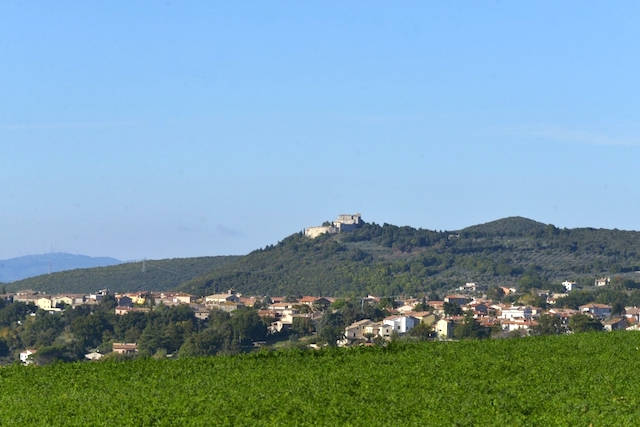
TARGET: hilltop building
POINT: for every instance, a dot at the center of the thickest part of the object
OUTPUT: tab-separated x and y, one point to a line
345	222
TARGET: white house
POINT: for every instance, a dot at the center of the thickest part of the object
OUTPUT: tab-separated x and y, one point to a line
401	324
25	356
569	286
516	313
513	325
469	287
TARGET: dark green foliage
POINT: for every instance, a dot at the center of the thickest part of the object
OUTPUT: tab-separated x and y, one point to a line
495	293
584	323
452	309
4	348
89	330
388	261
470	329
160	275
209	342
302	326
41	330
549	325
247	326
421	331
512	226
576	298
619	298
60	352
16	312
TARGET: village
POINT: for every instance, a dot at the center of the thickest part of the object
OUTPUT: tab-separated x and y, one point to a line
439	317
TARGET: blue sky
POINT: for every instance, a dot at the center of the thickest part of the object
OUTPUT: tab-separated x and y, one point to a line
163	129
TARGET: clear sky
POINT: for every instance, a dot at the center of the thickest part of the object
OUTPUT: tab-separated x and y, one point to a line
175	129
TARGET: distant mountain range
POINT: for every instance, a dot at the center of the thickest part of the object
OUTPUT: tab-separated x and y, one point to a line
34	265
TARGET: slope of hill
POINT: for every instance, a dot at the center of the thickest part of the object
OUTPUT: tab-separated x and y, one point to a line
34	265
159	275
390	260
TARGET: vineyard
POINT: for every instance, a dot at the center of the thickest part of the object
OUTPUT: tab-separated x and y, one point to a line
582	379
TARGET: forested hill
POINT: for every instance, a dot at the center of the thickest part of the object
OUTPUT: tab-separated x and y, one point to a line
159	275
390	260
512	226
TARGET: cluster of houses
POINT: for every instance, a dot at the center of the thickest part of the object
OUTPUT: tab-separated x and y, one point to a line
282	312
488	313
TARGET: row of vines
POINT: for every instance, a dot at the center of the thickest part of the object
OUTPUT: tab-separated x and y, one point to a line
584	379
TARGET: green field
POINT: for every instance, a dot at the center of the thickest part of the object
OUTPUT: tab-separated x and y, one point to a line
578	380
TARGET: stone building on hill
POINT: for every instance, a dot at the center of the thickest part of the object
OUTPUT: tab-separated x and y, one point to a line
344	223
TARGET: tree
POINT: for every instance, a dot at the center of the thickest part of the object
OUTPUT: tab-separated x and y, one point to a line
421	331
301	326
617	308
41	330
18	311
532	279
549	325
584	323
152	339
321	304
66	353
330	335
387	303
108	303
4	348
452	309
302	308
209	342
291	298
422	305
495	293
575	299
247	326
470	329
90	329
533	300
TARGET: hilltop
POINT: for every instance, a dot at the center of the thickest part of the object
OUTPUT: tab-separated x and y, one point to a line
511	226
391	260
159	275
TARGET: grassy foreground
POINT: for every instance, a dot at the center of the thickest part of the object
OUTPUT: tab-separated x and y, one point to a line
579	380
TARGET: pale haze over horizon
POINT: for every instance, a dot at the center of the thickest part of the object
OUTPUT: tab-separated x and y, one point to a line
165	130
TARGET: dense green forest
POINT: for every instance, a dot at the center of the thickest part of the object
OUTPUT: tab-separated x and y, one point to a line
159	275
384	260
580	379
390	260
